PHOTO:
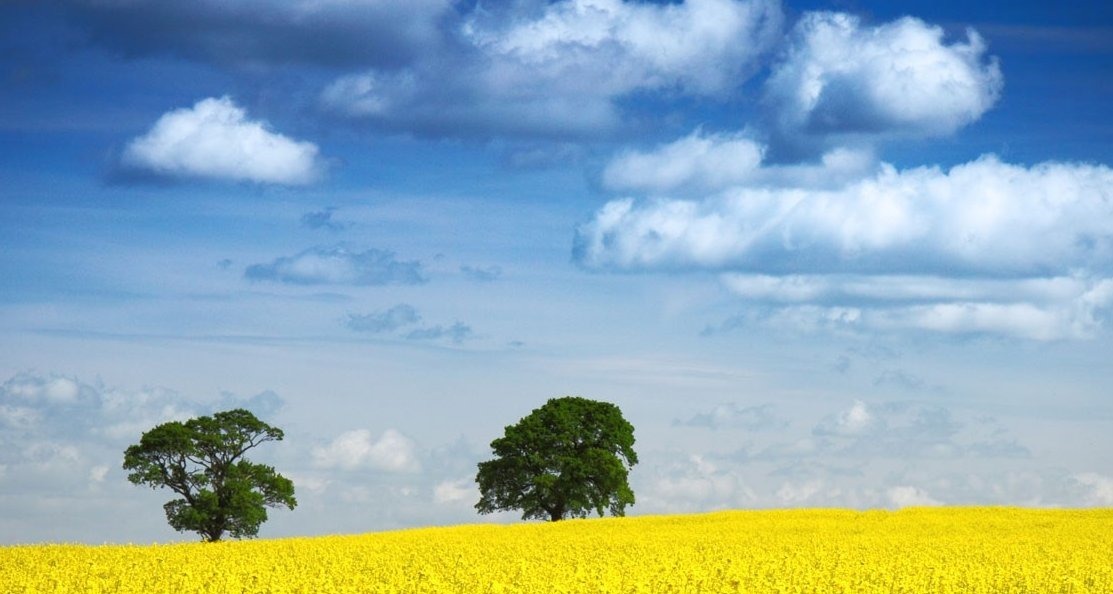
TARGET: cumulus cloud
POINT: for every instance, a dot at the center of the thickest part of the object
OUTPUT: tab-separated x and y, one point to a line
338	265
61	438
556	69
984	218
391	452
61	442
57	408
840	79
262	33
703	163
984	247
214	139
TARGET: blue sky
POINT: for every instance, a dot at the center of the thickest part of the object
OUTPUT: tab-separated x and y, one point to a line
851	254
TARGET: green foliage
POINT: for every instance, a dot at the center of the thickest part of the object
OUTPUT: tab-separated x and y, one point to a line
565	459
202	461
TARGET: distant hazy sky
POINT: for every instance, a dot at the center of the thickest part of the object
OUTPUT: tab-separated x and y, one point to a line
847	253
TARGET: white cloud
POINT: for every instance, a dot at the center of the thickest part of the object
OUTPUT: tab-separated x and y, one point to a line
692	484
855	420
984	217
61	435
1100	488
711	161
98	473
391	452
58	432
802	288
214	139
338	265
701	163
18	417
37	389
908	496
555	69
1053	308
51	454
1020	320
1069	320
839	78
796	494
985	247
455	491
699	45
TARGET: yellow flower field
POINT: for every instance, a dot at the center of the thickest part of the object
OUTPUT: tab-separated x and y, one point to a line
918	551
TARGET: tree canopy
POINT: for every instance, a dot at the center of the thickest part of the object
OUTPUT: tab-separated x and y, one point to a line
202	461
565	459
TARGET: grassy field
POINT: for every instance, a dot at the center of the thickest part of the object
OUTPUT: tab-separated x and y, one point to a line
917	551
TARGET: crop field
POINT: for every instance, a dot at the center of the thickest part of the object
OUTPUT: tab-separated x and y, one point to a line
917	551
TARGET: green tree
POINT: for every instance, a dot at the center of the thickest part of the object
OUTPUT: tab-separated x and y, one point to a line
565	459
202	461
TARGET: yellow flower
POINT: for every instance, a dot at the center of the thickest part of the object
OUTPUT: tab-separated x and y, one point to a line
913	551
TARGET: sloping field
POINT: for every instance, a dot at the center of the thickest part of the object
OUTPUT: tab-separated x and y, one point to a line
918	551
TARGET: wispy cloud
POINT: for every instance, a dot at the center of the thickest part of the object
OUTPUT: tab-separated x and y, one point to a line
402	321
457	332
732	416
338	265
904	380
483	274
909	430
322	219
392	319
215	140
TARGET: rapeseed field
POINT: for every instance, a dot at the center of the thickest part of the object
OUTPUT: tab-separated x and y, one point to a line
914	551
